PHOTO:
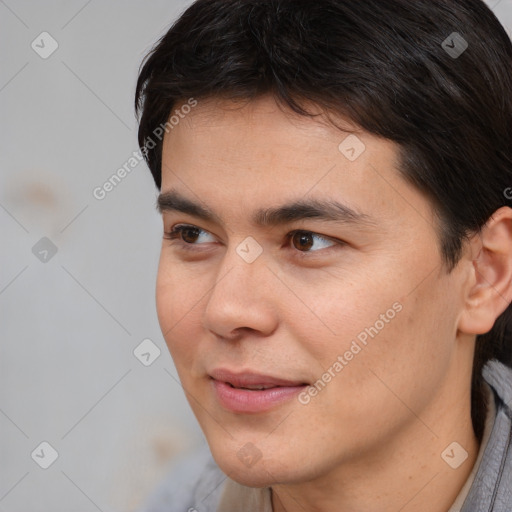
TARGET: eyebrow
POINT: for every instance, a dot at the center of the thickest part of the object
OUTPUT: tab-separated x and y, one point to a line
327	210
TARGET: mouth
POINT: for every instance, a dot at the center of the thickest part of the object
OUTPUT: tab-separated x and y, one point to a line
250	392
253	388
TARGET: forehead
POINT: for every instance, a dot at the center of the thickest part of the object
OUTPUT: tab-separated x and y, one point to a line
247	155
261	117
259	139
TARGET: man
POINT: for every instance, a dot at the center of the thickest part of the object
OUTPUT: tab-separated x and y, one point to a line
336	268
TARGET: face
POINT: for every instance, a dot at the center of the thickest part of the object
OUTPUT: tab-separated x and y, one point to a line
301	291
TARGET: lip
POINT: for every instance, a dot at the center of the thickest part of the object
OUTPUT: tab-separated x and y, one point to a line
229	390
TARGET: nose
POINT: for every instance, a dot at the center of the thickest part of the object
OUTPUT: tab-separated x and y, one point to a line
242	299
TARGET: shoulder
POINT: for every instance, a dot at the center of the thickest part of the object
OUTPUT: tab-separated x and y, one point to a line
499	377
492	487
194	484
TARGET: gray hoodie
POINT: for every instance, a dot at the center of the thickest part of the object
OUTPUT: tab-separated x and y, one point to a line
197	484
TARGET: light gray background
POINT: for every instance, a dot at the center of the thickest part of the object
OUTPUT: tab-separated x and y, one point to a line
69	326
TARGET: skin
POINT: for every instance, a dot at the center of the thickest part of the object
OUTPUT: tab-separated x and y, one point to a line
372	439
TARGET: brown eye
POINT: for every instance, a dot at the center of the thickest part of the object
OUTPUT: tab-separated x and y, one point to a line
188	237
302	240
189	234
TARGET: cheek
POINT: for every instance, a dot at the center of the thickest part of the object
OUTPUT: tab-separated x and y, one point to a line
178	304
336	311
394	324
179	290
403	360
167	303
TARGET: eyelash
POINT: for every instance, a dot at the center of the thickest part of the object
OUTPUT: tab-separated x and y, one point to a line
177	230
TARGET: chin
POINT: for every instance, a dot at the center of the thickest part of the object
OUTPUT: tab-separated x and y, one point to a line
251	477
250	467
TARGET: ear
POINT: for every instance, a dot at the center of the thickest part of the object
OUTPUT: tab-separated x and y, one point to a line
490	290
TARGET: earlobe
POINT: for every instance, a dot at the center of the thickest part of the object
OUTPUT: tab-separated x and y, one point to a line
490	292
